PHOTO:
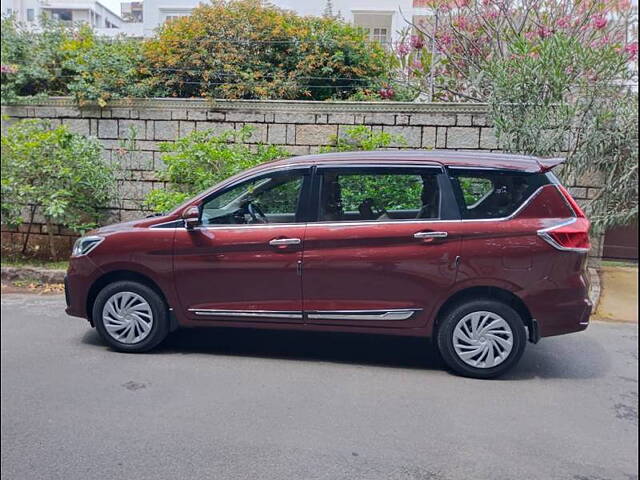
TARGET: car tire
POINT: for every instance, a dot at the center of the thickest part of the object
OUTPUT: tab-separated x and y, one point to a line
130	316
487	348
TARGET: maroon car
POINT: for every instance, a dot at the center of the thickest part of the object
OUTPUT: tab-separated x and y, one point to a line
481	252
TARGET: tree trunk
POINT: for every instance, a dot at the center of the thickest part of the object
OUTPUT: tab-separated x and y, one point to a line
28	234
52	247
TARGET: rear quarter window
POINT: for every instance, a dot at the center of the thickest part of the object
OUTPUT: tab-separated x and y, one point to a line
493	194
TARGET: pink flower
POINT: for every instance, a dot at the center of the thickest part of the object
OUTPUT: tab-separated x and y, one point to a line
402	49
564	22
445	40
492	14
623	5
417	42
599	22
8	68
544	32
632	50
462	23
530	35
386	92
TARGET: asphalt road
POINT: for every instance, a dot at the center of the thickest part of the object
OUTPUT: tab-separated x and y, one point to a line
224	404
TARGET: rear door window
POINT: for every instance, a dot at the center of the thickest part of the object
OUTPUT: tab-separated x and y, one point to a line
379	194
494	194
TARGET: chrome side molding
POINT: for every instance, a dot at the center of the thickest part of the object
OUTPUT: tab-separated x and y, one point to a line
297	315
399	314
381	315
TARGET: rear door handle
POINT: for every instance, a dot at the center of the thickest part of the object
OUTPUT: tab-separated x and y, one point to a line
277	242
422	235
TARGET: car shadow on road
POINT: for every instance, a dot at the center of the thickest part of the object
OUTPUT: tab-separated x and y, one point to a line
566	357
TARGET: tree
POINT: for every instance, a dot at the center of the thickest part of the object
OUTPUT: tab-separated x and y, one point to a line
555	74
328	10
242	49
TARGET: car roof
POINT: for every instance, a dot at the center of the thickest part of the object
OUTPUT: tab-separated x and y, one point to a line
453	159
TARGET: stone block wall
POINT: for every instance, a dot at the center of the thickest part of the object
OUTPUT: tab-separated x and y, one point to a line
300	127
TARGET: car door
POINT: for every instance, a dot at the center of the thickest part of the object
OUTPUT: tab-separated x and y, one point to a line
243	262
384	247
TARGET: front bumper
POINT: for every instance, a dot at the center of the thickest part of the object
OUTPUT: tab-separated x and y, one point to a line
81	274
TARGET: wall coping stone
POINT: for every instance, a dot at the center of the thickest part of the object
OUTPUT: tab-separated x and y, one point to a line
265	105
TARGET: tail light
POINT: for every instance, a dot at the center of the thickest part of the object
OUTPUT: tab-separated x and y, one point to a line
572	235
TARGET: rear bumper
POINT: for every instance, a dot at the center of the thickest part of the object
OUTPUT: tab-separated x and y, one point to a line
567	320
559	311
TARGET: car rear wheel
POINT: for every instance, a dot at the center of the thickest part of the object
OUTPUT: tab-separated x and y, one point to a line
130	316
481	338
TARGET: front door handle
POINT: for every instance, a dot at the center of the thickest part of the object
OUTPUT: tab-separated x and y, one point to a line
278	242
423	235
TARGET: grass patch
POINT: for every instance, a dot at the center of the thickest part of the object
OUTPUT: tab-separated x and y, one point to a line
17	261
619	263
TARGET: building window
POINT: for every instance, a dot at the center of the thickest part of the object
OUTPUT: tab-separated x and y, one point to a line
62	15
380	35
31	15
174	15
377	25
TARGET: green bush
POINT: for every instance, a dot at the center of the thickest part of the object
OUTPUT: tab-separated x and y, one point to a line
70	60
244	49
361	137
558	96
202	159
32	63
55	173
109	70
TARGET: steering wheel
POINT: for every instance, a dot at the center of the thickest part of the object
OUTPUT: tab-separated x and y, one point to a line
257	215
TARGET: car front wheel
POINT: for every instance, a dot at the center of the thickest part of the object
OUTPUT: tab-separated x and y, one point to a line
481	338
130	316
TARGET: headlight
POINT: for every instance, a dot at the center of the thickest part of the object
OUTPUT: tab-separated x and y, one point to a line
85	244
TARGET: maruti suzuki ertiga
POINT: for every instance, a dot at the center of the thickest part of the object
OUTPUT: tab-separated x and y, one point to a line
479	251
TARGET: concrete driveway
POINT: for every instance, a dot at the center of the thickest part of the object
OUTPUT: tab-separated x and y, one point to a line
224	404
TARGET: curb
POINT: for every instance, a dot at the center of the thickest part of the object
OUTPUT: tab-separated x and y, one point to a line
42	275
594	288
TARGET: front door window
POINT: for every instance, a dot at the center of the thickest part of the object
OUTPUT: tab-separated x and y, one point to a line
267	199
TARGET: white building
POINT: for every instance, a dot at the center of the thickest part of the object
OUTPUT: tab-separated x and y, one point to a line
91	12
383	19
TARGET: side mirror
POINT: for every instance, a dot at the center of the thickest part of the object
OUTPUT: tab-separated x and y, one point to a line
191	217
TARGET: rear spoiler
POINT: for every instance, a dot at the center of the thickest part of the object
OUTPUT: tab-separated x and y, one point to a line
547	164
